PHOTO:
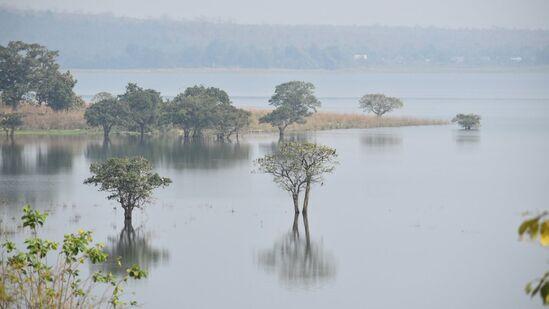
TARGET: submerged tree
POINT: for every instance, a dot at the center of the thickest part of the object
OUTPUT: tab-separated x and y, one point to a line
11	121
538	228
107	113
28	279
199	108
30	72
467	121
230	120
293	102
129	181
296	166
379	104
144	106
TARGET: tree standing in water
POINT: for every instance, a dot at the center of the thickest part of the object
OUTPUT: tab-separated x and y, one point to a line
379	104
106	113
129	181
467	121
296	166
144	106
293	102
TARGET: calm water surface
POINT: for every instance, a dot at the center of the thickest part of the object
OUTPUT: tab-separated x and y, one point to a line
416	217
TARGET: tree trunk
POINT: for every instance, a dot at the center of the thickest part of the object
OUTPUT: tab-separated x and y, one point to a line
12	133
142	132
307	234
295	198
128	215
186	134
281	133
106	131
306	199
295	227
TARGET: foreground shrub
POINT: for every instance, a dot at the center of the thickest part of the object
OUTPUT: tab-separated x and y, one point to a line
537	228
27	280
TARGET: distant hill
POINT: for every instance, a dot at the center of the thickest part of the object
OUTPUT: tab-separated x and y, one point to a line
104	41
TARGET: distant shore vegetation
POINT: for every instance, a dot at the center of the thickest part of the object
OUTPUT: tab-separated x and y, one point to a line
43	120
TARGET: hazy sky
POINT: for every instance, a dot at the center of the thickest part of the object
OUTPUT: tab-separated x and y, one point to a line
442	13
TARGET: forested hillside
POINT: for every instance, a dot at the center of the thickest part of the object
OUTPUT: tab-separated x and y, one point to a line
103	41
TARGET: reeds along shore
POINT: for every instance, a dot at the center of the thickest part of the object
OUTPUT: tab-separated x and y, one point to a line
41	118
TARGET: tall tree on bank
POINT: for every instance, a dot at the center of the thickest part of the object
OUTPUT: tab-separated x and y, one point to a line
293	102
129	181
379	104
29	72
107	113
143	105
296	166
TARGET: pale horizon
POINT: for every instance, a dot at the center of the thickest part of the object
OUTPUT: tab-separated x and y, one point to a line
509	14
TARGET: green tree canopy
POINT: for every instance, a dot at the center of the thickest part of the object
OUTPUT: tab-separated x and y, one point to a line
296	166
106	114
10	121
467	121
144	105
221	96
199	108
129	181
230	120
379	104
293	101
30	71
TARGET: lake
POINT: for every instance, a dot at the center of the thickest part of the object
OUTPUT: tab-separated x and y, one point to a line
415	217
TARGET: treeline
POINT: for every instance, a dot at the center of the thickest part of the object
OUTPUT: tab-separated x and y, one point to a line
103	41
195	110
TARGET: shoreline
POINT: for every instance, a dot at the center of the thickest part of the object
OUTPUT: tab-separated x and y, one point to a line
366	70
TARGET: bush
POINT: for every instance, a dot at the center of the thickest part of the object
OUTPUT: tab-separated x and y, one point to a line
28	281
467	121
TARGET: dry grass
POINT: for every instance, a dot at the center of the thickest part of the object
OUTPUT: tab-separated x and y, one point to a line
44	118
330	121
41	119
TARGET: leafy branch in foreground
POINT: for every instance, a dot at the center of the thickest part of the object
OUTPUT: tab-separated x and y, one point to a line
27	280
537	228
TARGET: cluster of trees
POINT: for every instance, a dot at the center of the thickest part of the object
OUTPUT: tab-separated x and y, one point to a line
30	72
197	109
113	42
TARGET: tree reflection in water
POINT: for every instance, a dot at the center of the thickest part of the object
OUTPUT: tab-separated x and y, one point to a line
299	261
132	246
173	153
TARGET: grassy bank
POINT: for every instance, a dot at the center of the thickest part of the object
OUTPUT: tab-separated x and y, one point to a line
331	121
44	121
